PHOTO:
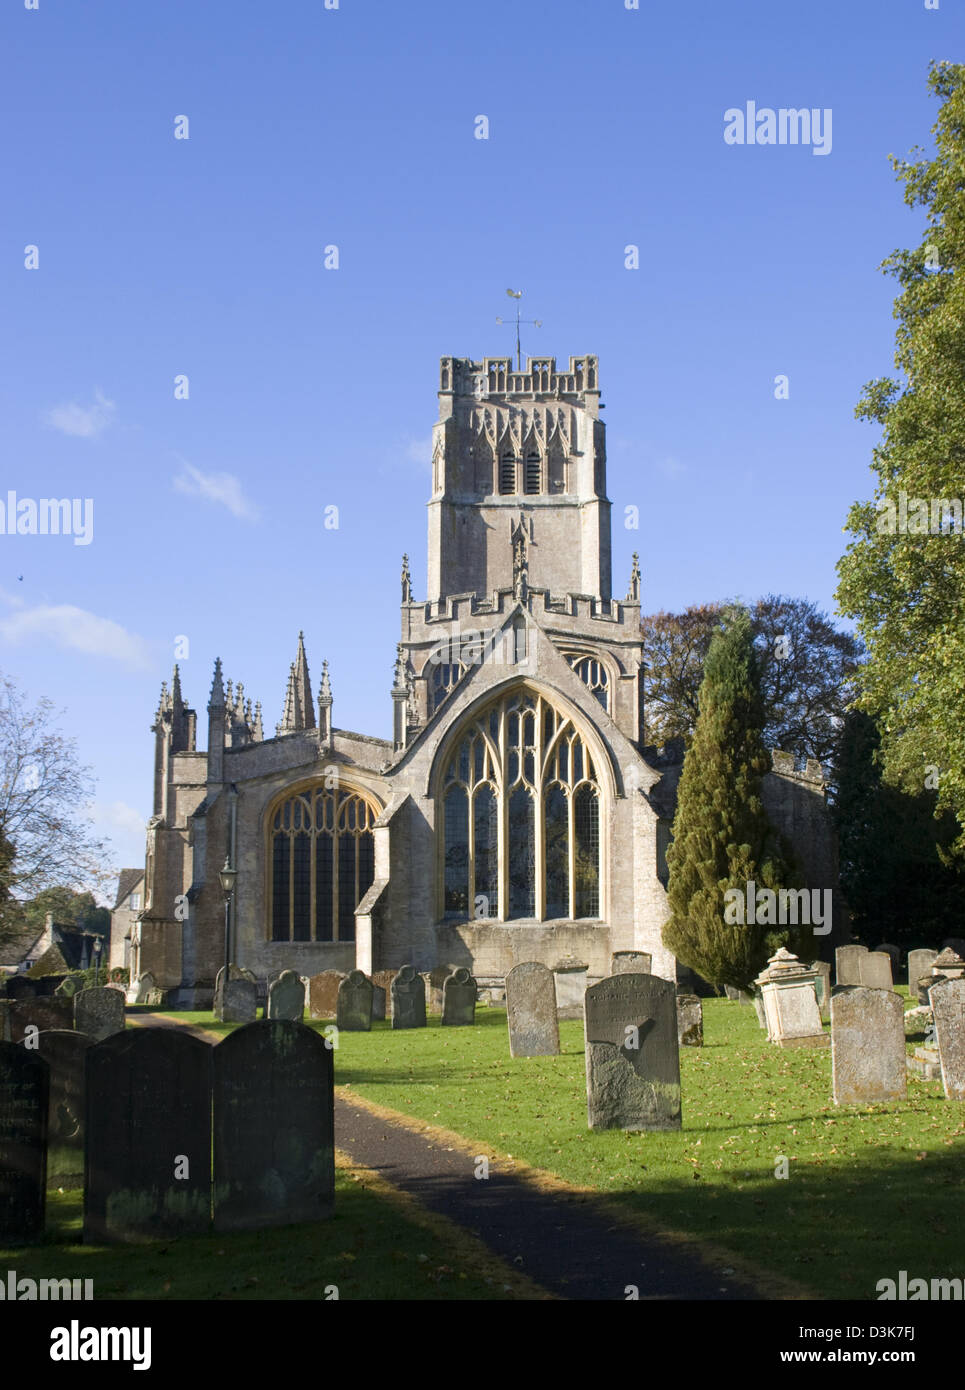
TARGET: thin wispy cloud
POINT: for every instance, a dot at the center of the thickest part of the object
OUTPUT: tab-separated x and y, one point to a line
83	421
118	816
74	629
224	489
419	451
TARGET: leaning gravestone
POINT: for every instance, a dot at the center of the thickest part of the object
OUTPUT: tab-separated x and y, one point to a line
531	1011
274	1129
894	954
24	1088
867	1046
408	999
948	1007
239	1004
323	993
147	1170
354	1013
459	999
847	964
65	1052
39	1014
920	963
632	1057
99	1012
690	1021
631	963
875	968
286	997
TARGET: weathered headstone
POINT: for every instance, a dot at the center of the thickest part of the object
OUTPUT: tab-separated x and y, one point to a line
99	1012
948	1008
632	1056
436	981
875	968
459	999
286	997
847	964
867	1046
531	1011
19	987
323	994
354	1013
737	996
920	963
24	1090
70	986
791	1002
65	1052
949	964
690	1021
570	977
38	1014
239	1003
408	999
147	1170
381	984
758	999
143	986
274	1128
821	970
631	963
893	953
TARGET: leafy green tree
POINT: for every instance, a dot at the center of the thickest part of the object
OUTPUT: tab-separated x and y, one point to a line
722	837
903	575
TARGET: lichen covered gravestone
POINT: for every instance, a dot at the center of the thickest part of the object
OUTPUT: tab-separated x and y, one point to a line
274	1135
323	993
531	1011
690	1020
570	976
920	963
239	1003
354	1014
875	969
847	964
631	963
65	1052
632	1056
99	1012
147	1170
459	999
948	1008
24	1086
867	1046
286	997
408	999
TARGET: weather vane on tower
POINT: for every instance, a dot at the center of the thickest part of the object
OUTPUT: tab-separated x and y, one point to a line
538	323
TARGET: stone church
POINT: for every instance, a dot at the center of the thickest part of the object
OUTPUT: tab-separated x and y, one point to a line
515	814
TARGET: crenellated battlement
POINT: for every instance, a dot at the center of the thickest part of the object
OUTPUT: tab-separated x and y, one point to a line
496	376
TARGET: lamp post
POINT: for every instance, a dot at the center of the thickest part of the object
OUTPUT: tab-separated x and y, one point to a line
98	947
227	876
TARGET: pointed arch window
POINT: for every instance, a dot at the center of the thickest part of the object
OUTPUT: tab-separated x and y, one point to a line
594	676
533	476
521	820
507	474
322	858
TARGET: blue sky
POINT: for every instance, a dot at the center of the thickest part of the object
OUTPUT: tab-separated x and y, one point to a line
314	387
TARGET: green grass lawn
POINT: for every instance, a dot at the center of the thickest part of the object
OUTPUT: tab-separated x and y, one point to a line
871	1189
368	1250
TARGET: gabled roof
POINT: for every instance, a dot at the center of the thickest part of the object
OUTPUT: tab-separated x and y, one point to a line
126	883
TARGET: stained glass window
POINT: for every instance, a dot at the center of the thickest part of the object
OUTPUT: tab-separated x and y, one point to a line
322	864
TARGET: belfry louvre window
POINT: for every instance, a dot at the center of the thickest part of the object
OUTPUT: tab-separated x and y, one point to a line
533	478
322	864
521	816
507	474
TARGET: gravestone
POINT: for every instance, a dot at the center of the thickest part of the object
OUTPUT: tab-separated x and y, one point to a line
847	964
274	1128
354	1014
70	986
948	1008
737	996
286	997
893	953
631	963
821	970
381	984
143	986
459	999
790	1002
239	1004
41	1014
65	1052
632	1054
867	1046
147	1169
408	999
949	964
19	987
99	1012
570	977
919	963
690	1021
323	994
436	981
758	999
875	968
24	1090
954	943
531	1011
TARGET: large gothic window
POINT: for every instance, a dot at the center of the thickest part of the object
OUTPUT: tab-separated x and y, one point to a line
322	864
521	816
